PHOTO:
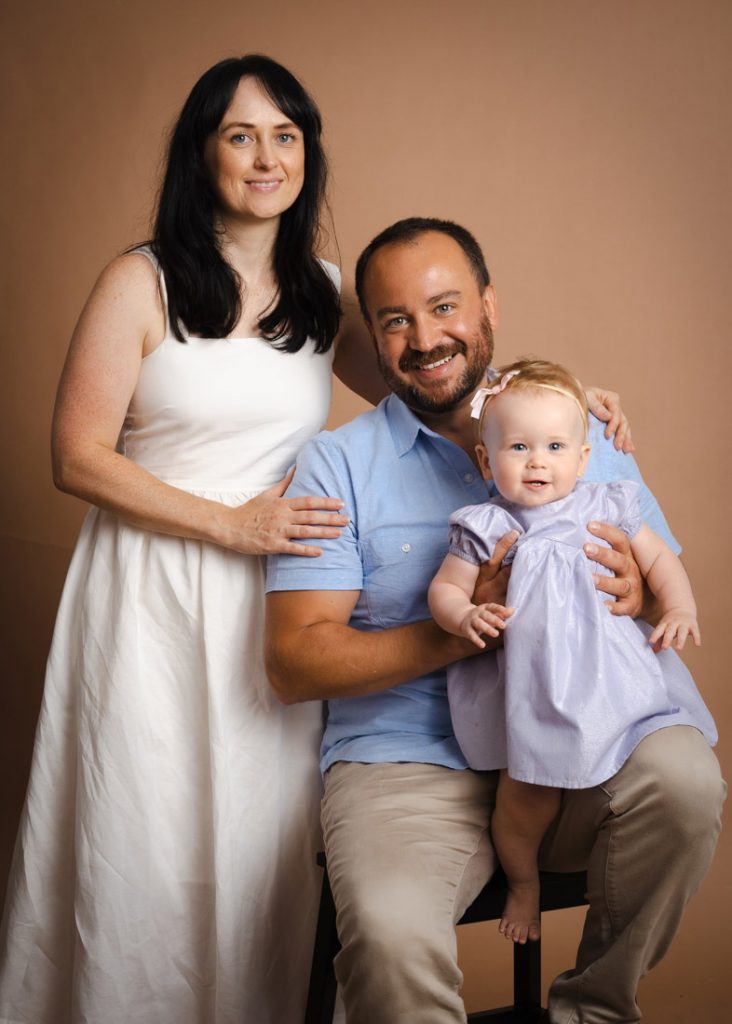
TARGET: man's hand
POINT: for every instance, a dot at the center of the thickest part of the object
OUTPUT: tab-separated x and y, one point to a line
492	582
626	583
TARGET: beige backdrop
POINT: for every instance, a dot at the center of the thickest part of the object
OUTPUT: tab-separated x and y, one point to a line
586	143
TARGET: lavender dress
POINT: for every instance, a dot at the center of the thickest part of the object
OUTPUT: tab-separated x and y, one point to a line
575	689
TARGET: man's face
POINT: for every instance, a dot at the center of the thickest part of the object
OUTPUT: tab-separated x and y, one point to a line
431	323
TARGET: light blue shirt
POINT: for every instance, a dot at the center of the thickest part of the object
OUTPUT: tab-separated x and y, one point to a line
400	482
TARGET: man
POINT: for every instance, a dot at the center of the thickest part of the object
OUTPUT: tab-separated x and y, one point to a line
405	822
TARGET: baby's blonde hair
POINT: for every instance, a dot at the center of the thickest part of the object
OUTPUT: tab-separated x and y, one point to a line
527	373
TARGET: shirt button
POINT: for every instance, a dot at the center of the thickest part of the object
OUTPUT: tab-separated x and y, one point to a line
406	547
469	477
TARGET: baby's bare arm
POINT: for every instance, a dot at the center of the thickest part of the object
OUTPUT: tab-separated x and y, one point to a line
668	581
452	608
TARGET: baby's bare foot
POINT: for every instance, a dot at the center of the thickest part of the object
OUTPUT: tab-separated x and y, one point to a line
520	919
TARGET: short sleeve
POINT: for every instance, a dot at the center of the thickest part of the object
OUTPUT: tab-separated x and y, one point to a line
321	470
623	500
606	464
475	530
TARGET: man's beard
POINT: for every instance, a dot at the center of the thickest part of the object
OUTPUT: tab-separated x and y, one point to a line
446	398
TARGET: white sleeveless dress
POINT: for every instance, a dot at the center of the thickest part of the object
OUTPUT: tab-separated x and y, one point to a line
164	871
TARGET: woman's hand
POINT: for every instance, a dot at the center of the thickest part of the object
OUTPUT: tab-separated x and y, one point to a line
606	406
267	524
626	583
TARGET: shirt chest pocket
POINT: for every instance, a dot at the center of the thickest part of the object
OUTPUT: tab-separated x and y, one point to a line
399	563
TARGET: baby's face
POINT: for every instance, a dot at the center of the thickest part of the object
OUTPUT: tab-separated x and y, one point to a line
533	445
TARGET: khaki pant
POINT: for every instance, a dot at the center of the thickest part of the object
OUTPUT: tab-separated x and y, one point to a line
408	850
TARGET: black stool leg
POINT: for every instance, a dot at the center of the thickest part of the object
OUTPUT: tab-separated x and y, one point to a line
527	980
322	990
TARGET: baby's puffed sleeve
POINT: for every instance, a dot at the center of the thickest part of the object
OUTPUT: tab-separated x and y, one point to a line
623	505
475	530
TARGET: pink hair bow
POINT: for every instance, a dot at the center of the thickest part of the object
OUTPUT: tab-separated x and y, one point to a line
478	400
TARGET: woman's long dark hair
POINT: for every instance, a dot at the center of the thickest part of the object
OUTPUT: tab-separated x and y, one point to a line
204	291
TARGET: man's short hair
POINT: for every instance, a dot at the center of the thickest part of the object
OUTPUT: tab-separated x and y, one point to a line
409	230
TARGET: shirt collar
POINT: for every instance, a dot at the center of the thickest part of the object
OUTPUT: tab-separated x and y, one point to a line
406	426
403	424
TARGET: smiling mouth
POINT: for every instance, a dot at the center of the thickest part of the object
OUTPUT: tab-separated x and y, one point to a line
433	366
441	355
264	186
536	484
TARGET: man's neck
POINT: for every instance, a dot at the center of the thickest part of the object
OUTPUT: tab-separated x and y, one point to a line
456	425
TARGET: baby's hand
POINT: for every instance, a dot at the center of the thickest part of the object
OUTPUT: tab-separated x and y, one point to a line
673	629
484	618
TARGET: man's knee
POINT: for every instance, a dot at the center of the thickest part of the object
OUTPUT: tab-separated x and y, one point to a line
393	913
674	776
398	954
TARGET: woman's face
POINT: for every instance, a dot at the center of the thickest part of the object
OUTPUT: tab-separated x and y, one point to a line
256	158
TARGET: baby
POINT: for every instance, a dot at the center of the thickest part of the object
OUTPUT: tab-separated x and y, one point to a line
575	689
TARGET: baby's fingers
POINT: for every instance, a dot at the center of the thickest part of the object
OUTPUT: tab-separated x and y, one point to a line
656	634
681	634
490	624
499	611
476	638
661	636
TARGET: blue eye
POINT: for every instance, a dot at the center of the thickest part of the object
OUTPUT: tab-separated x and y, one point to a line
286	137
518	447
240	137
556	446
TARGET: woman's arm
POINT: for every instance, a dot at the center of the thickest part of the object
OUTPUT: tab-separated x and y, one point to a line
122	322
669	583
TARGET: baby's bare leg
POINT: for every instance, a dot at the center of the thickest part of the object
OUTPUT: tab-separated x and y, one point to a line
522	815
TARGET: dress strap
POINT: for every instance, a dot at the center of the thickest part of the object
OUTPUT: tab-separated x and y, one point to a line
145	250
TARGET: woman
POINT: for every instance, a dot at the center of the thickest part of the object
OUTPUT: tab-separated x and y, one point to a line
165	869
165	864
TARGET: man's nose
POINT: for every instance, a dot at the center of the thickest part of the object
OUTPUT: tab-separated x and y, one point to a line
424	334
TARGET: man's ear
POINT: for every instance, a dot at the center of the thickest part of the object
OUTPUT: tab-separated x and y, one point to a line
490	305
584	455
485	466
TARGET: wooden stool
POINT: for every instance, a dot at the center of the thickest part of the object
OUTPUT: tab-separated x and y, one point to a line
558	890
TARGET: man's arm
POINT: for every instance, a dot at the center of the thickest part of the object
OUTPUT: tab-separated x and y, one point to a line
311	653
